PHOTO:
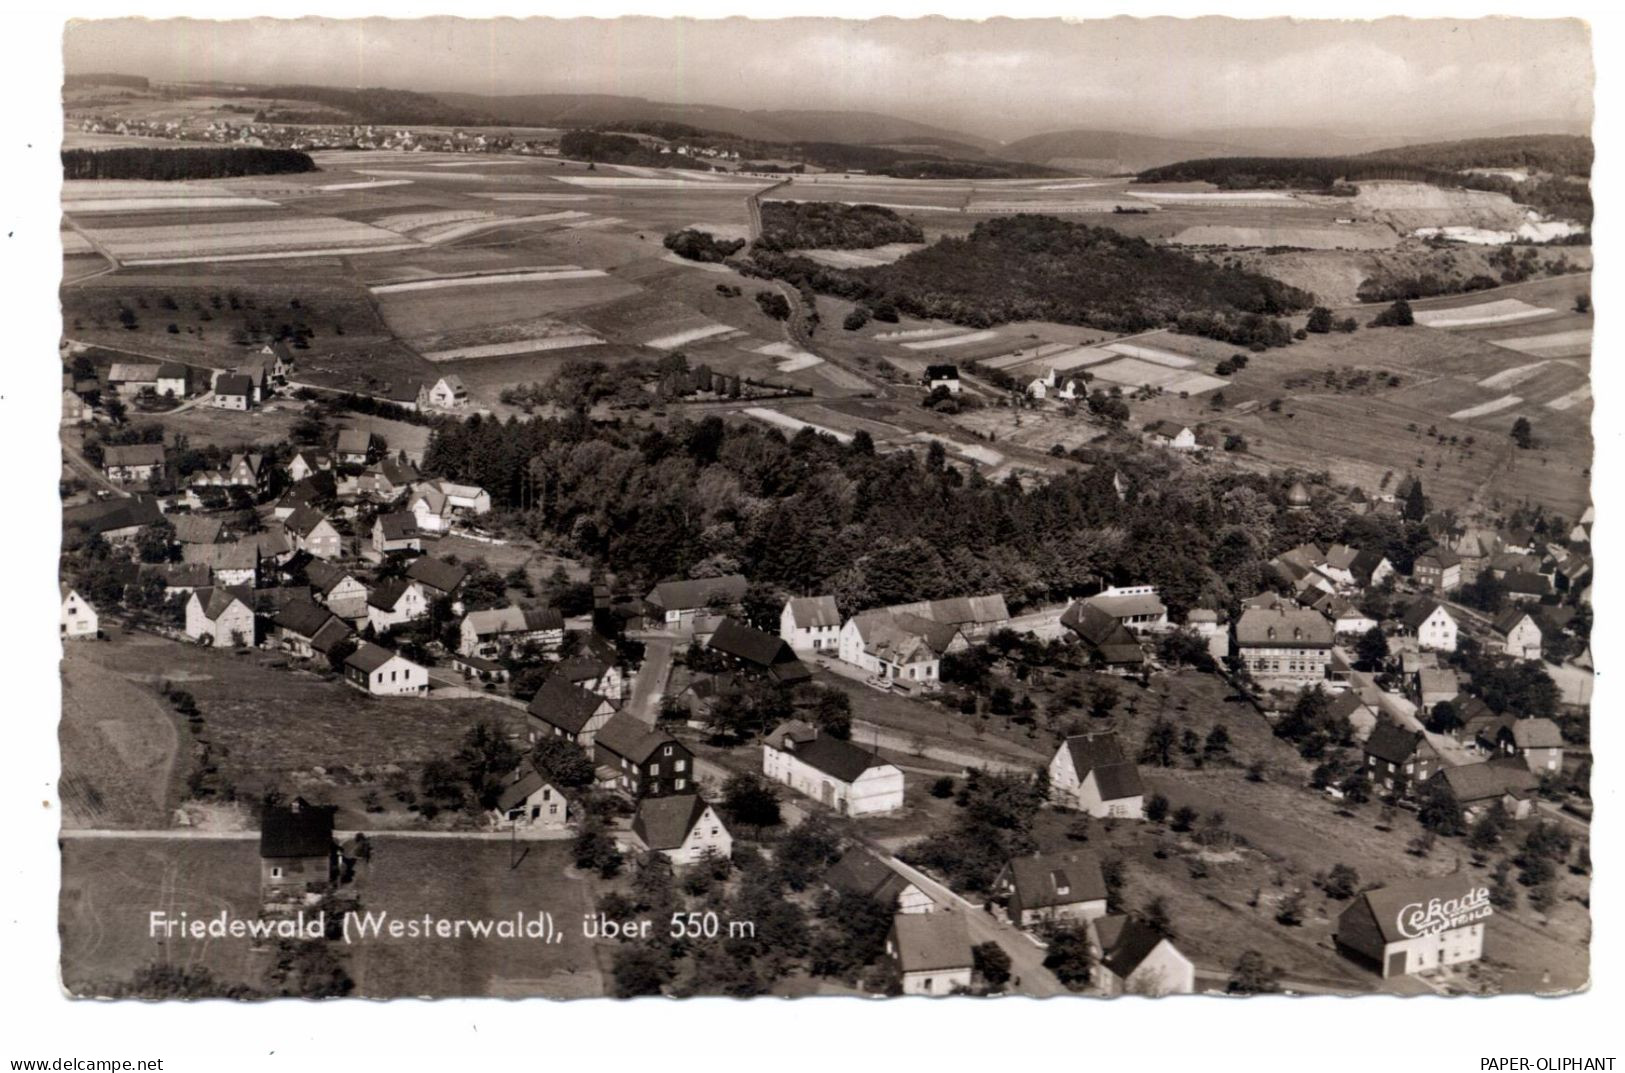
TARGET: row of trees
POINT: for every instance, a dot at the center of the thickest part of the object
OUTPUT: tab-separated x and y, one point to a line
139	162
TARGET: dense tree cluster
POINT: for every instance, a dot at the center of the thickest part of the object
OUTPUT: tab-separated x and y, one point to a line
803	225
139	162
1031	267
702	246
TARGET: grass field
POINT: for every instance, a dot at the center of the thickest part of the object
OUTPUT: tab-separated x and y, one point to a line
122	764
468	880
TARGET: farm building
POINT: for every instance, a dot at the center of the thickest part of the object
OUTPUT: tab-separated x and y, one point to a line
437	504
563	709
132	378
1477	787
499	630
757	652
596	672
116	520
943	376
932	951
79	619
1350	568
337	589
220	615
173	380
130	462
393	534
1137	607
810	623
683	827
1136	959
1091	773
898	646
676	603
836	773
297	852
236	563
1433	626
440	579
1416	925
1171	434
1284	646
1435	685
1537	741
1046	888
233	391
974	616
859	871
383	673
308	629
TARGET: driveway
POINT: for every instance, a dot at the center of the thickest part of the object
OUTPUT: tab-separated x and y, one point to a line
650	683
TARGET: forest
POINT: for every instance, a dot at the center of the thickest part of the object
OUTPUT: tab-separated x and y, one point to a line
168	165
832	225
703	246
1031	267
373	104
806	514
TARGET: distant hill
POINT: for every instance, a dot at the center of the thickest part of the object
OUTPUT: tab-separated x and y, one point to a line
371	105
1558	154
1110	152
599	109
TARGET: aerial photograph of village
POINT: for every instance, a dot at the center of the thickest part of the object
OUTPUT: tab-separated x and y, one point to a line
580	530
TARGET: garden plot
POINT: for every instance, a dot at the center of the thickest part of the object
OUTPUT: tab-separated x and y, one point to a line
436	227
1133	372
516	346
1077	357
691	335
1194	383
479	302
488	279
1272	198
537	197
438	176
1570	400
794	358
1501	312
75	243
1494	406
1571	344
1511	377
1152	354
791	424
245	240
1010	360
987	456
957	340
917	333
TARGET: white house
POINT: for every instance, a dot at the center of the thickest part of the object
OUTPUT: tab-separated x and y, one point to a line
394	601
835	773
1134	959
446	393
1052	887
437	504
1171	434
943	376
79	619
1432	626
898	646
383	673
1417	924
221	616
1519	634
859	871
932	951
529	801
1089	772
491	633
810	623
682	826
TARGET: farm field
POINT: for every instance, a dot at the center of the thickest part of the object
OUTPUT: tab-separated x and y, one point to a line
109	886
121	748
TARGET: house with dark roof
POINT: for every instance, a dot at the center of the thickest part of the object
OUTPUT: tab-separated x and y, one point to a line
221	616
1354	569
1110	645
1091	773
1052	888
1398	760
297	852
1171	434
639	761
684	827
1417	924
499	630
1438	570
394	601
898	646
1133	958
1477	787
310	531
341	591
116	520
308	629
1526	587
595	671
974	616
1435	685
440	579
563	709
236	563
197	528
859	871
376	670
1361	713
307	463
530	802
1136	607
943	376
233	391
395	534
355	446
838	774
810	623
1537	741
932	952
757	652
675	603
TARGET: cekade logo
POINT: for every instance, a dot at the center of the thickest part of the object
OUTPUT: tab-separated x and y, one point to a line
1442	914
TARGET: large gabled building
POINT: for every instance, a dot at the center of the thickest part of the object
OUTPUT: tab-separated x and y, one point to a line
1091	773
838	774
1282	645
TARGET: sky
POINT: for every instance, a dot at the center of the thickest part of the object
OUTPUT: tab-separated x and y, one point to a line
1001	78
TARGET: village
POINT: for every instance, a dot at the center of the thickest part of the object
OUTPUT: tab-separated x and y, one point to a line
967	793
